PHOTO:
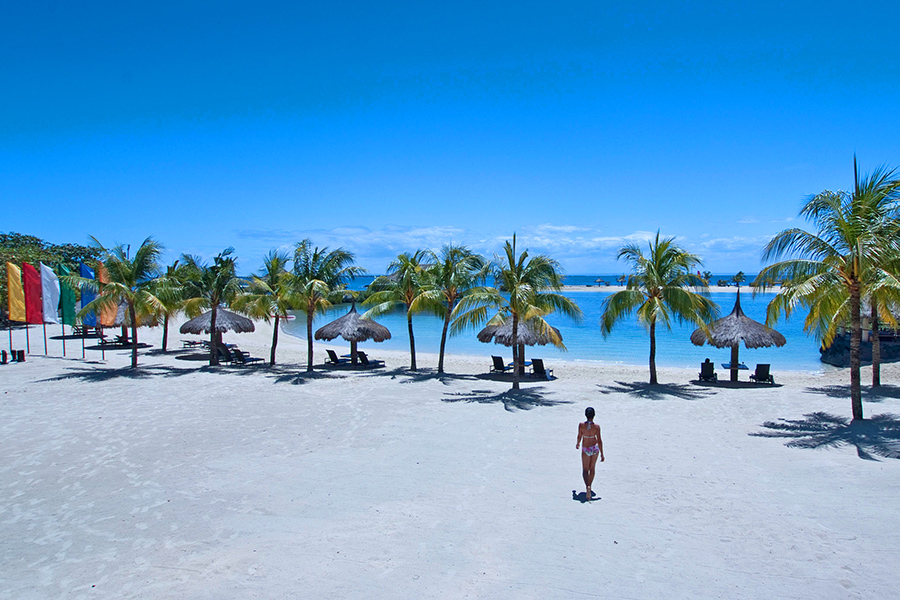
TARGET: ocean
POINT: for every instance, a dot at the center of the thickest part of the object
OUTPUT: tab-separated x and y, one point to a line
629	342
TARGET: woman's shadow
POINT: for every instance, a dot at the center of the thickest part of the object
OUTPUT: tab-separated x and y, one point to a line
582	497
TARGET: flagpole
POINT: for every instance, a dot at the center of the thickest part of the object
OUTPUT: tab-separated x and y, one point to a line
82	345
102	348
27	340
62	328
45	339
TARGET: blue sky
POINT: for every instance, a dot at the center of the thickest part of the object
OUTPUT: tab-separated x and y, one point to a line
384	127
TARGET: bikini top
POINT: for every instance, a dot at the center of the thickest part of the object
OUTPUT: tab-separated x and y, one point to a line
588	429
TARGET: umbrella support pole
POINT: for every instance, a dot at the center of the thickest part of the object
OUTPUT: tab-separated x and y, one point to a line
734	363
353	353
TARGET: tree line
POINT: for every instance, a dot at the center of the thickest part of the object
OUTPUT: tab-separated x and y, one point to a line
850	259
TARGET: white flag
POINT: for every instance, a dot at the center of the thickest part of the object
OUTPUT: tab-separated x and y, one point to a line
49	294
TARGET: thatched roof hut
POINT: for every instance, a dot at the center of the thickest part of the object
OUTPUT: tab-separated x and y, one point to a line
528	333
225	321
730	331
354	329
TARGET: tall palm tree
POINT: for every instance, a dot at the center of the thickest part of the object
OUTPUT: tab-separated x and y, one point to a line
658	291
527	292
453	274
320	277
856	236
400	288
209	286
131	280
169	290
271	294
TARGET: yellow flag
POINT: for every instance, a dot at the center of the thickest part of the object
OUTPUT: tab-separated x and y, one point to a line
15	293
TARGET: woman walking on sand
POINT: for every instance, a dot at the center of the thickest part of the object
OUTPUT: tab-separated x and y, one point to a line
591	446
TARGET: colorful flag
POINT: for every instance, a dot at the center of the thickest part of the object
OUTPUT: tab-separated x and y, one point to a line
50	287
34	306
87	296
107	313
66	299
15	293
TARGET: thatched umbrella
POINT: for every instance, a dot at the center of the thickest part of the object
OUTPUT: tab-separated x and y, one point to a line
737	327
354	329
225	321
528	334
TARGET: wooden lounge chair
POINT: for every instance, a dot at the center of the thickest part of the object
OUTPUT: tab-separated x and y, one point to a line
498	366
762	374
708	371
538	370
242	358
333	358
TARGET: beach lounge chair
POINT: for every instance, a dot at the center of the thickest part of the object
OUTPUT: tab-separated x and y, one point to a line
498	366
538	370
708	371
225	355
333	358
364	359
242	358
762	374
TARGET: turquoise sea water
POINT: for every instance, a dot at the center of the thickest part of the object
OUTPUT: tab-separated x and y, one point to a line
629	342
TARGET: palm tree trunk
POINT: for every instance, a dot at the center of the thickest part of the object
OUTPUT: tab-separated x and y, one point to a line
517	359
444	340
274	341
165	339
213	339
876	348
412	341
134	341
653	380
309	340
855	340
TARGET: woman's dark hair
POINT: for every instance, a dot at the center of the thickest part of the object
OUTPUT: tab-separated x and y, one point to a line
589	413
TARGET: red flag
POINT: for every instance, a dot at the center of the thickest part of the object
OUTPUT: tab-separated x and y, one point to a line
34	312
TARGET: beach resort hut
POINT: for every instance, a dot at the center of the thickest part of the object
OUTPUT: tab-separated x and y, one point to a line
354	329
528	334
730	331
225	321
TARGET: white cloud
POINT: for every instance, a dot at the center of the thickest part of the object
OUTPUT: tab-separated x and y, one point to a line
578	249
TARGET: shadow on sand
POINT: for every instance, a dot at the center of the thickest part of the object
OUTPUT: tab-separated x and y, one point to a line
511	399
878	435
659	391
103	374
868	394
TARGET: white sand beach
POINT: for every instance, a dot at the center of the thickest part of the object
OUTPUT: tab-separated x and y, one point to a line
184	481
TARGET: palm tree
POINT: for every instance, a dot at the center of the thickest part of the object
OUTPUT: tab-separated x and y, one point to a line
209	286
400	288
739	278
270	295
169	290
131	280
452	275
319	279
527	292
857	236
658	291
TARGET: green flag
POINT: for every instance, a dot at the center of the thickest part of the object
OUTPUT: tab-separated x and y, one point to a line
66	298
